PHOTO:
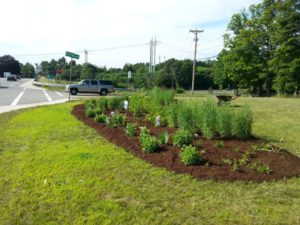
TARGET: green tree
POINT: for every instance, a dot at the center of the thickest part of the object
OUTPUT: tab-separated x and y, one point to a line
27	70
9	64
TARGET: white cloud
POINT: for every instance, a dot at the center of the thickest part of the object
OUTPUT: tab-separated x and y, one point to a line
43	26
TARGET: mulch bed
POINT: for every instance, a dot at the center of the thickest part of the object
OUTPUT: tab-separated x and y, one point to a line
282	164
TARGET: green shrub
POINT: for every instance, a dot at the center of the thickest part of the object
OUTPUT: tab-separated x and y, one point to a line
164	138
182	137
224	116
208	118
101	103
172	115
90	112
161	97
137	104
90	103
131	129
242	123
144	130
189	156
118	120
185	116
98	111
149	143
115	103
101	118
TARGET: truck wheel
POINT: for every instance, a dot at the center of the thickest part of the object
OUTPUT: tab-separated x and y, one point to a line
103	92
73	91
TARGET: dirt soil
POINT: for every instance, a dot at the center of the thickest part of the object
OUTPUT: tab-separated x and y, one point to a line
282	164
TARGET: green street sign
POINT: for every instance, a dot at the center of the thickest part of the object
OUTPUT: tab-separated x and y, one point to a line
72	55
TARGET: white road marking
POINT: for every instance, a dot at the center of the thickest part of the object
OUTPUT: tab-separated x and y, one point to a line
47	96
59	93
17	99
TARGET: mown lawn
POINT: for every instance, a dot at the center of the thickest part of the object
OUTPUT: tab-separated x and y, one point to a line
55	170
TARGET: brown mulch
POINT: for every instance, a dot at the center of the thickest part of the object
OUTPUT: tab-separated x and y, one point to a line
282	164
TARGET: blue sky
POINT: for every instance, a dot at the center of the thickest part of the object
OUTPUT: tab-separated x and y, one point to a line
38	28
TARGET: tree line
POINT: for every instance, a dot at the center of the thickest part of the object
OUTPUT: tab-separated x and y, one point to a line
262	49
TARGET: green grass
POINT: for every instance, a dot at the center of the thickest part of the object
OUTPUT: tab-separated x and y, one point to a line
55	170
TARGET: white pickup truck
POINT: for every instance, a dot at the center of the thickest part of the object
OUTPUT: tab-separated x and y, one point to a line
102	87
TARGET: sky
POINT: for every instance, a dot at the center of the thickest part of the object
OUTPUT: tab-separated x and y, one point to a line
114	32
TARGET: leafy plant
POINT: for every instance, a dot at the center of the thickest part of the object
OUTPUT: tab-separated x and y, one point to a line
101	103
233	163
164	138
144	130
98	111
219	144
182	137
149	143
90	103
90	112
189	155
260	168
101	118
115	102
118	119
131	129
137	104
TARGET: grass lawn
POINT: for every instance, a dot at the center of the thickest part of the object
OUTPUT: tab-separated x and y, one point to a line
55	170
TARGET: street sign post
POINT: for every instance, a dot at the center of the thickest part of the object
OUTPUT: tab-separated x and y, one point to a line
72	56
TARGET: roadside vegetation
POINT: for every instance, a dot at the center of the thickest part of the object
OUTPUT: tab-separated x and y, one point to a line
54	169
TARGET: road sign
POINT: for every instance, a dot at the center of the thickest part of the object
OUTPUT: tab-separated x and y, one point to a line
72	55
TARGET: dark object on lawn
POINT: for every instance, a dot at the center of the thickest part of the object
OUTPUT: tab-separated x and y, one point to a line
224	99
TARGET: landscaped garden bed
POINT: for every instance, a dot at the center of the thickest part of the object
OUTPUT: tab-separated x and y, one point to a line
208	142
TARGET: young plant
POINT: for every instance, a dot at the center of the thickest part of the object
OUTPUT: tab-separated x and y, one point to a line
224	116
118	119
90	112
100	118
260	168
101	103
219	144
115	102
90	103
149	143
242	123
208	118
131	129
182	137
144	130
164	138
189	156
137	104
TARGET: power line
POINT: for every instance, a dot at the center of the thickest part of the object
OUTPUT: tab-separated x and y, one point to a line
93	50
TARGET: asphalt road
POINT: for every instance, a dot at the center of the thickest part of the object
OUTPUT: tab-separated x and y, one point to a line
22	92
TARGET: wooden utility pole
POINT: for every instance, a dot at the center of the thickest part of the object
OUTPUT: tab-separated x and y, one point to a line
195	54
